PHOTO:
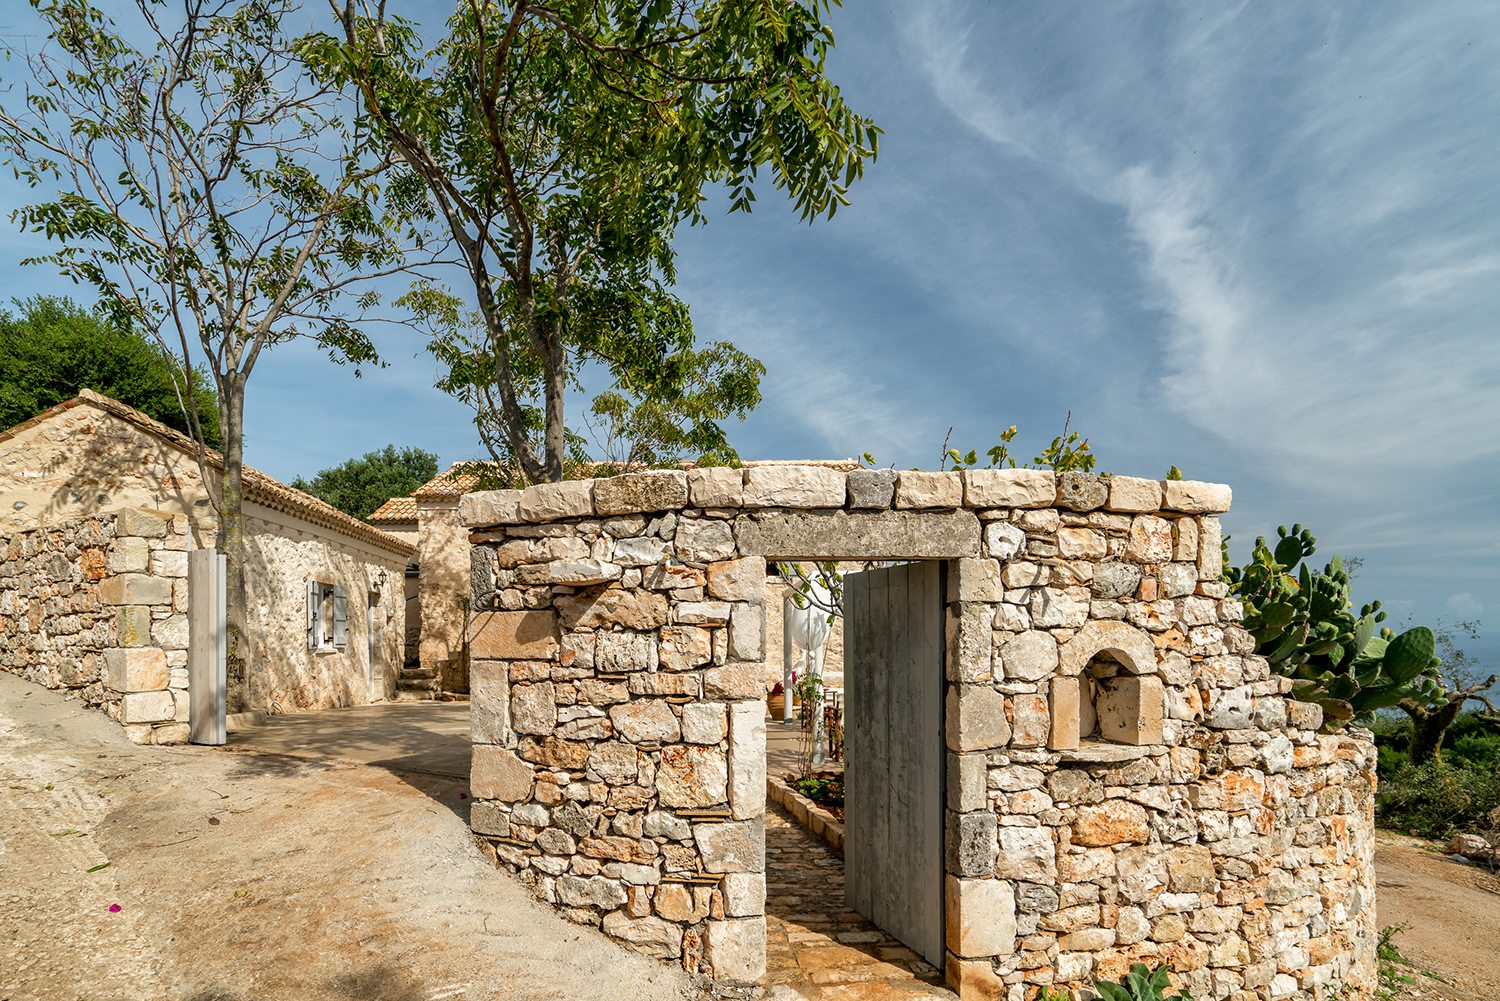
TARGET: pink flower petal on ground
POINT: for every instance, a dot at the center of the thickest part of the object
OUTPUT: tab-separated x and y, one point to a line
114	908
463	795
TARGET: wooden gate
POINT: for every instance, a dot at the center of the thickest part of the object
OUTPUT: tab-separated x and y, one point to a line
894	780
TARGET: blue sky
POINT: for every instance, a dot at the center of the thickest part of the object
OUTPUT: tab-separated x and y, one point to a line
1260	242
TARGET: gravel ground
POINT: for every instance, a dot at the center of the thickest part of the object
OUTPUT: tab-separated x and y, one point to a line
195	874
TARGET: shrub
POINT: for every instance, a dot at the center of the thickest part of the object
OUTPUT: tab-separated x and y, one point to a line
1140	984
1437	799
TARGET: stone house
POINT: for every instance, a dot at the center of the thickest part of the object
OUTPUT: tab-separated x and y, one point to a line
398	517
99	507
443	577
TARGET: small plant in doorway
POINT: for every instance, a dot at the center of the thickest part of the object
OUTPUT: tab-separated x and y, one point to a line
1140	984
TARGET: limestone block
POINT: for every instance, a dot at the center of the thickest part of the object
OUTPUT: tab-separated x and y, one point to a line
1030	723
735	949
747	632
569	573
487	508
660	824
970	843
1053	607
747	759
639	552
1115	579
1210	550
1134	495
744	894
970	628
533	708
1130	709
1009	488
577	891
704	540
142	523
1190	869
738	846
1150	539
976	718
871	488
621	653
136	669
929	489
675	902
1232	709
1028	854
1002	540
1081	544
1113	823
737	580
646	721
1023	573
489	702
974	979
967	778
514	636
1081	491
741	680
692	776
710	613
517	552
981	916
489	818
147	707
553	501
704	722
612	606
135	589
684	648
171	633
133	625
496	773
717	486
1126	644
648	935
1178	579
1066	714
614	762
169	563
975	579
1030	656
129	555
859	535
794	487
1194	497
172	733
1185	548
630	493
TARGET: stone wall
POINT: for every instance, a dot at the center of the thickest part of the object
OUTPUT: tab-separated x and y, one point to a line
443	591
1125	779
97	607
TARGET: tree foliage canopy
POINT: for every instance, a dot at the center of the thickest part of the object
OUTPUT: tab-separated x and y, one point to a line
50	348
361	485
559	145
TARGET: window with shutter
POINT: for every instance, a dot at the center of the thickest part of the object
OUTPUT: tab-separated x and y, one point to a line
340	617
314	606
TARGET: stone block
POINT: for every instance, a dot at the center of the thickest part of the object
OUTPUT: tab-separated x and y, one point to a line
650	936
1031	656
737	580
533	708
553	501
794	487
735	949
704	540
1030	722
646	721
171	633
1009	488
1113	823
1081	491
967	777
169	563
704	722
1115	579
133	625
971	641
975	579
136	669
1134	495
135	589
489	508
692	776
1150	539
147	707
1053	607
142	523
747	759
871	488
631	493
1066	701
1003	541
1081	544
497	773
1126	644
601	608
976	718
1178	579
129	555
737	681
621	653
975	979
1210	550
685	648
1190	869
568	573
971	844
489	702
744	894
1027	854
595	891
929	489
1130	709
747	632
981	917
489	818
859	535
1194	497
639	552
708	613
1186	546
717	486
514	636
615	762
738	846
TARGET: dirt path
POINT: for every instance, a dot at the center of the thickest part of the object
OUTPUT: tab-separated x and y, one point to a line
245	876
1452	912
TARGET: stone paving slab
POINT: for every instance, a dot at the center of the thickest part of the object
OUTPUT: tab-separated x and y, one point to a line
817	949
430	737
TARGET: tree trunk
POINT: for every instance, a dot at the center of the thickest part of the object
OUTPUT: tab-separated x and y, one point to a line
231	539
1428	730
557	386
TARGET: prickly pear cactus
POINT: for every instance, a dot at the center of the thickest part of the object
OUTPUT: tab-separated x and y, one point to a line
1304	625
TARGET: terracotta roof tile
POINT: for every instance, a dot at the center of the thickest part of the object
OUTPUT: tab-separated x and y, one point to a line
397	509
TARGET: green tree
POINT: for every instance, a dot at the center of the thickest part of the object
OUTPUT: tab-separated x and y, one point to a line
51	348
1461	681
211	192
559	146
361	485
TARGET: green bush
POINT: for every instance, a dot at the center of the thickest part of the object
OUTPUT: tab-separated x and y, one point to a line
1140	984
1436	800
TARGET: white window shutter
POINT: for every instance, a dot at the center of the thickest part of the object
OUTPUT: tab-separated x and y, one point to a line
340	617
313	611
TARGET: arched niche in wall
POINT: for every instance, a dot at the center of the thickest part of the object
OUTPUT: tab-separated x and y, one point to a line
1107	690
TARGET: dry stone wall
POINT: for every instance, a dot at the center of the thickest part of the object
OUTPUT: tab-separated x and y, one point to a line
97	607
1126	781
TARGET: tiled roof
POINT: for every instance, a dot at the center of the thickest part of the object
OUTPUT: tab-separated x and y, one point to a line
259	487
395	510
450	484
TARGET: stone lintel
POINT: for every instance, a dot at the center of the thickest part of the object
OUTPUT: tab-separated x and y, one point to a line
859	535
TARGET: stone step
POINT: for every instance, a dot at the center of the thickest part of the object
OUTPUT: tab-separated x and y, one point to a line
418	672
410	695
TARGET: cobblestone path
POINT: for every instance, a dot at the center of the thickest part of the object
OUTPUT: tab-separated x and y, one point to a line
818	949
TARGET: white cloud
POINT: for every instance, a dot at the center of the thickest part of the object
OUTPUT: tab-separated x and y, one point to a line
1464	605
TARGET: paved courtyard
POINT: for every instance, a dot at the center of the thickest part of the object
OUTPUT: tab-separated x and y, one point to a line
429	737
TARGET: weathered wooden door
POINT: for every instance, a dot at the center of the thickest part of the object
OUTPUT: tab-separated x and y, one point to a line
894	780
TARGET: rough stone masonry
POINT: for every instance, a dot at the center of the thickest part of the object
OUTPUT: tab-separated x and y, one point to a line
1126	780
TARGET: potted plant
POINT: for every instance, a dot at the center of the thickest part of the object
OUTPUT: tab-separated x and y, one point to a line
776	700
